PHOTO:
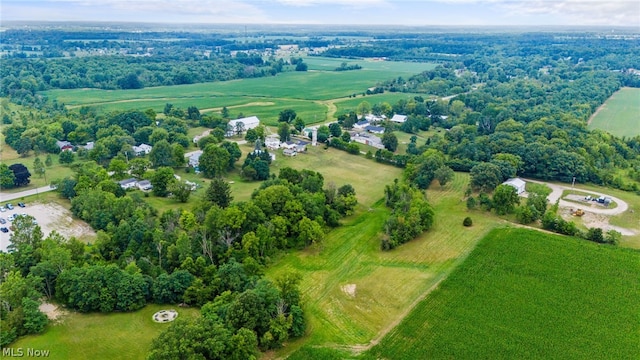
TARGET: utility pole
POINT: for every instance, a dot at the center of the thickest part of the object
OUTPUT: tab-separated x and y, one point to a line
573	182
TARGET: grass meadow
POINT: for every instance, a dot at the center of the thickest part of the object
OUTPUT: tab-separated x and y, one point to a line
524	294
264	97
101	336
619	114
387	284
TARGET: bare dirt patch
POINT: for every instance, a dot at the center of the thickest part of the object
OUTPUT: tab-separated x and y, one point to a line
593	220
52	311
50	217
349	289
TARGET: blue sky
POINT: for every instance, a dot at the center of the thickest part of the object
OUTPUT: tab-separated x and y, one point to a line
357	12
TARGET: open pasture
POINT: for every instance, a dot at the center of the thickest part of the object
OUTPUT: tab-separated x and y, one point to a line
619	114
527	294
101	336
354	293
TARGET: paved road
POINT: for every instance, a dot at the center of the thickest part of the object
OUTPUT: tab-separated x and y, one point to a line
12	196
556	193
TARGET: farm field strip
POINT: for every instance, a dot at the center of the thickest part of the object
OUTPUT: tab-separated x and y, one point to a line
619	114
524	294
311	85
386	285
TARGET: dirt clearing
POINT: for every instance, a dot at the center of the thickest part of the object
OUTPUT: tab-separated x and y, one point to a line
50	217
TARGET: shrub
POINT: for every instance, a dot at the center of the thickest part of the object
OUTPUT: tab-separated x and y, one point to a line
467	222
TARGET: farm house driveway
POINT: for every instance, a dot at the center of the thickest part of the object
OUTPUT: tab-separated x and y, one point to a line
556	194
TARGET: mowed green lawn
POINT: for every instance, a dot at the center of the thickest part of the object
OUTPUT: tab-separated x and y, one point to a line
101	336
523	294
620	114
354	293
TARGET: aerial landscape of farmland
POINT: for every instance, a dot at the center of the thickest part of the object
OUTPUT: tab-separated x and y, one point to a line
272	187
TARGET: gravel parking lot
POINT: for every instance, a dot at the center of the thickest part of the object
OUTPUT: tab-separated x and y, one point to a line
50	217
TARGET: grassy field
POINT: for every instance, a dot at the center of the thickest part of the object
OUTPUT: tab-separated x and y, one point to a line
523	294
366	176
264	97
386	285
336	166
56	171
619	114
101	336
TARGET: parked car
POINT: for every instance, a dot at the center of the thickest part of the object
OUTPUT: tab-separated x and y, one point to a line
11	217
21	204
3	209
3	221
4	230
9	206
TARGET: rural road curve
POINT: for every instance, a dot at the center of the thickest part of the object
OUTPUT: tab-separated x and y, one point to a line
21	194
556	194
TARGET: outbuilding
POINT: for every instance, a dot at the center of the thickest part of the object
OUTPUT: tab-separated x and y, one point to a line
397	118
517	183
238	126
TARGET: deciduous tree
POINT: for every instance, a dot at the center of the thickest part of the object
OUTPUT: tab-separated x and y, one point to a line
287	116
390	141
443	174
284	132
161	180
214	161
162	154
21	174
505	198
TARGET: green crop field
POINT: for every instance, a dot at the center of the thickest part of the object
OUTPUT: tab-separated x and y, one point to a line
619	114
101	336
524	294
354	293
262	96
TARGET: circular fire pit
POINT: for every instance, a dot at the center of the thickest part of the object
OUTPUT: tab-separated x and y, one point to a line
164	316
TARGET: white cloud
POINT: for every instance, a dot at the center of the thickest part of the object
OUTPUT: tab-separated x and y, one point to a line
453	12
351	3
573	12
581	12
219	11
